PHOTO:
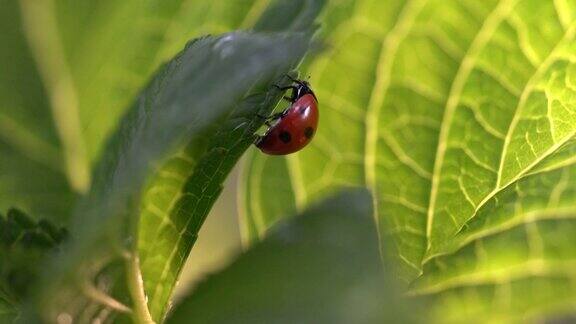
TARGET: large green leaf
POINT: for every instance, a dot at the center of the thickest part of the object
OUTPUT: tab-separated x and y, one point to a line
321	267
190	97
507	224
461	119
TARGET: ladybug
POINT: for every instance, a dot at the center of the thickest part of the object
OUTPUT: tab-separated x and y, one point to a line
294	127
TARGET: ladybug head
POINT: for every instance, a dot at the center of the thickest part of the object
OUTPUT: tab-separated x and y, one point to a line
304	88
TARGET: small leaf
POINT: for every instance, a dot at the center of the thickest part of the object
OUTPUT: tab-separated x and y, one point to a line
24	246
19	219
320	267
19	228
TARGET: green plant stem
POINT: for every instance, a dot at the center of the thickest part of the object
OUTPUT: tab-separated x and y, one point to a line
136	287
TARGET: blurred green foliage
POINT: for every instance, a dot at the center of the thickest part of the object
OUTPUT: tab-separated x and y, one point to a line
457	115
24	244
323	267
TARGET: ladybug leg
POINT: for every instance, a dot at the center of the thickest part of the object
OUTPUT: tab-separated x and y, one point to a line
294	89
265	118
272	117
284	88
268	119
268	123
257	139
278	115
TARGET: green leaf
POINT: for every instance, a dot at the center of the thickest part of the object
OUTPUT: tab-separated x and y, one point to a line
69	71
188	99
507	218
460	117
386	111
179	197
184	189
321	267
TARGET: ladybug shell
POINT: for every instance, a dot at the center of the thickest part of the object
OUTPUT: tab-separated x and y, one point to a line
294	130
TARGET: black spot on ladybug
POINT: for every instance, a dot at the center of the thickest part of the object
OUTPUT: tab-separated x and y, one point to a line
308	132
285	137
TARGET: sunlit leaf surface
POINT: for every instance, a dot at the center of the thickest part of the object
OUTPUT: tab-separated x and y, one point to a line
460	116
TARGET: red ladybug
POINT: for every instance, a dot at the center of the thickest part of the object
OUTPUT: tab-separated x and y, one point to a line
294	127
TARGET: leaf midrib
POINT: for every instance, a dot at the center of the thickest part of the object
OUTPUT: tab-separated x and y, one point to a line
528	89
569	33
175	250
482	37
388	51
